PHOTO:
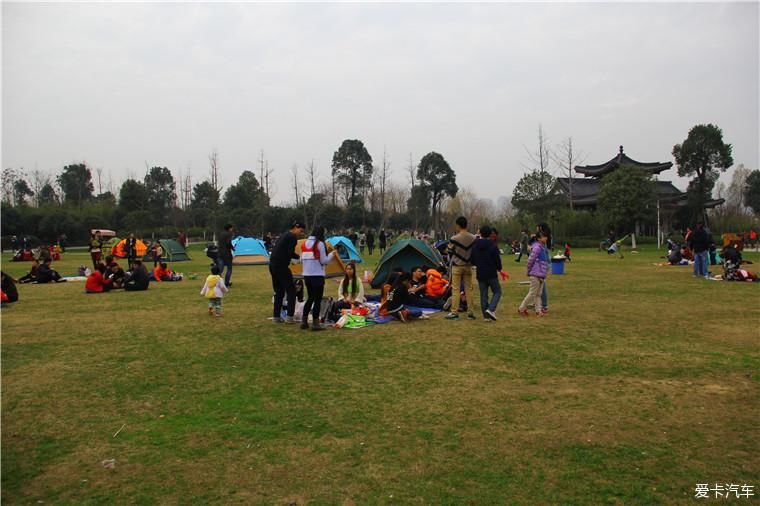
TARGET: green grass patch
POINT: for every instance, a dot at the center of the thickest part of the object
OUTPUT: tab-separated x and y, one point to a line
642	382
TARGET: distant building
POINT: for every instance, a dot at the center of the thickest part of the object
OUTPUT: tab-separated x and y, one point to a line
584	192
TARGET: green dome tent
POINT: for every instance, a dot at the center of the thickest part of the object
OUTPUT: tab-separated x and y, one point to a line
173	252
405	255
109	245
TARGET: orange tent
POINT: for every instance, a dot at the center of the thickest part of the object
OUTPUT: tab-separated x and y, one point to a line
333	269
120	250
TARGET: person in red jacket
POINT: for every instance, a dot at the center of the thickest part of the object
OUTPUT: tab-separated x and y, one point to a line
162	273
96	282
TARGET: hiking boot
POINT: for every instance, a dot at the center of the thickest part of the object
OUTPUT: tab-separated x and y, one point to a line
452	316
522	312
447	304
471	316
304	325
490	314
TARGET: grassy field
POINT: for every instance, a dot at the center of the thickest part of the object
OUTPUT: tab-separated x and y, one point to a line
641	383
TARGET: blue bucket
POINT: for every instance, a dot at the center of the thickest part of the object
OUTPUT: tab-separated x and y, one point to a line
558	265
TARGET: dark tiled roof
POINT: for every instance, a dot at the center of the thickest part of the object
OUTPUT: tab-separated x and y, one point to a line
619	160
585	191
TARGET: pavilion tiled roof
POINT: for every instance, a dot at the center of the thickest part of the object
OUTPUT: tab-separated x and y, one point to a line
620	160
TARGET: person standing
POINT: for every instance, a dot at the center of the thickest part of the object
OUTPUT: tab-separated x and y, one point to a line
381	241
548	245
182	239
362	241
699	241
523	244
370	241
314	257
158	251
130	245
460	250
95	247
282	279
224	259
538	266
214	290
487	262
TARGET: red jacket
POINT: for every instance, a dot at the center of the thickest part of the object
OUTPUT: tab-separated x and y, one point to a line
435	286
95	283
158	273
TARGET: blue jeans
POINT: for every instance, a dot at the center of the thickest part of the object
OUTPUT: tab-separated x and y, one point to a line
700	264
221	263
484	285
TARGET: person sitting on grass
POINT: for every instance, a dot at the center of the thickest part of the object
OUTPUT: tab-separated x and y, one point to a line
162	273
97	282
214	289
394	303
351	289
139	279
418	291
46	274
115	275
8	287
31	276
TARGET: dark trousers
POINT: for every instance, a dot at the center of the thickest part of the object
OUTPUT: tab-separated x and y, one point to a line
221	263
484	285
426	302
282	283
522	251
316	287
371	247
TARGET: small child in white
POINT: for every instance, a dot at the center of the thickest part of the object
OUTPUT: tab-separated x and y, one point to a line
214	290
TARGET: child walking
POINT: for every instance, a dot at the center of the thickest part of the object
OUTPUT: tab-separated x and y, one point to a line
538	266
214	290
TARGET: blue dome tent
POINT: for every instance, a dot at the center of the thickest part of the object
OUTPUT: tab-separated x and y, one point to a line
249	251
345	248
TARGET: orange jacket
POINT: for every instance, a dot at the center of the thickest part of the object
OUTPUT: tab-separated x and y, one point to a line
435	286
158	273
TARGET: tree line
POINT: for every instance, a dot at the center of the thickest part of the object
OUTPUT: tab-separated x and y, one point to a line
362	193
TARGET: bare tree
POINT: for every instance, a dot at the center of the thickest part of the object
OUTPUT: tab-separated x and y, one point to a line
567	159
412	172
384	174
8	180
539	160
294	183
99	173
734	194
311	171
39	180
213	160
268	188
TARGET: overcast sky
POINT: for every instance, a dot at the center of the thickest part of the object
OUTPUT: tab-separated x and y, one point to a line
119	85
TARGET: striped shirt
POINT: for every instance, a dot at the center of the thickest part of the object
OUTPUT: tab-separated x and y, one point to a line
460	247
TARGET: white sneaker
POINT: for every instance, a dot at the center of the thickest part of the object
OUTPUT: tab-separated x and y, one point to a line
491	314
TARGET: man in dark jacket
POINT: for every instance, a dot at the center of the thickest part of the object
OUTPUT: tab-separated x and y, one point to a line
487	262
224	258
279	268
699	241
139	279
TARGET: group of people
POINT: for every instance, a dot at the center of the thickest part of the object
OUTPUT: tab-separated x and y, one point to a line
109	276
404	293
